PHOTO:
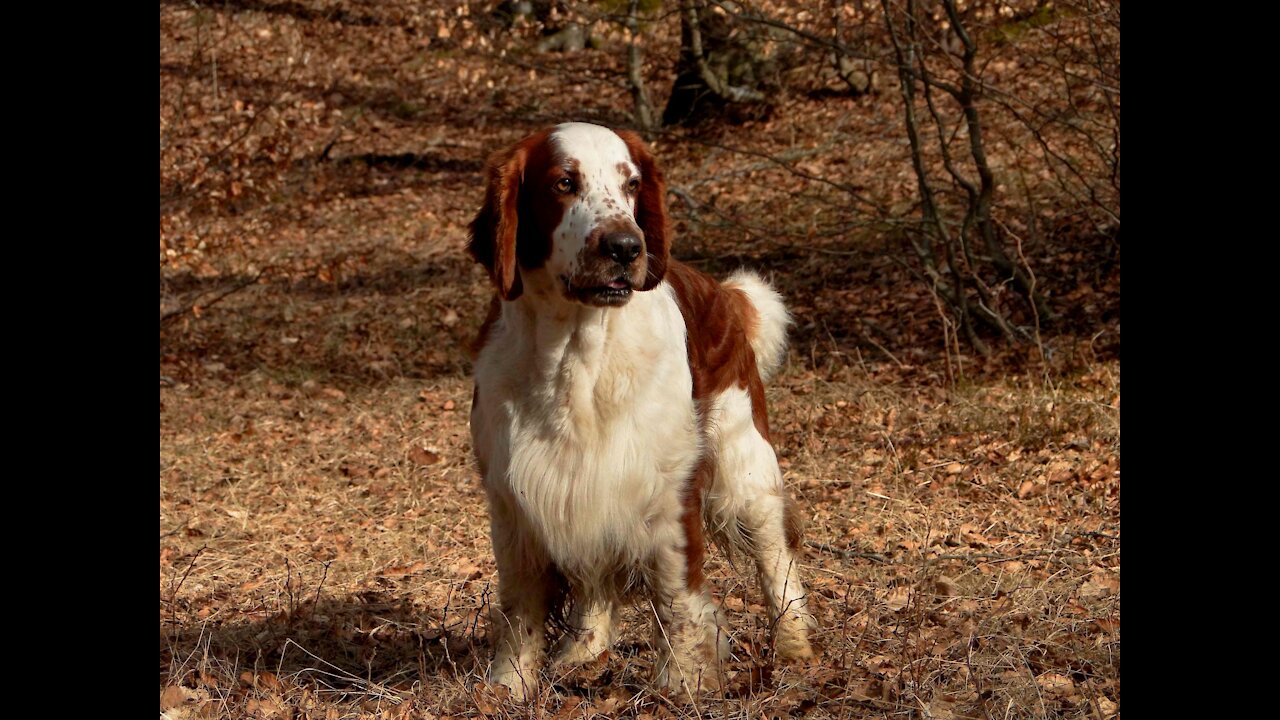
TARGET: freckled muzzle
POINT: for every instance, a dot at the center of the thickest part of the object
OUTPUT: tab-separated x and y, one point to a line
611	265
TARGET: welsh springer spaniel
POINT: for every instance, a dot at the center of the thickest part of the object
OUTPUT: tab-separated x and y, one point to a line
619	415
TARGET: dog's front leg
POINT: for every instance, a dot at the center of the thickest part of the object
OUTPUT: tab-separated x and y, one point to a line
525	591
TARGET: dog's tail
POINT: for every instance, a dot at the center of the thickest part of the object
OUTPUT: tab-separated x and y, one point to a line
768	335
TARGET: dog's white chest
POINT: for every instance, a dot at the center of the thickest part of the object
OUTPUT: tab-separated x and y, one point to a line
591	436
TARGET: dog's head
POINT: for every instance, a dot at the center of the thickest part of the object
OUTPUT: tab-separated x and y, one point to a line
580	207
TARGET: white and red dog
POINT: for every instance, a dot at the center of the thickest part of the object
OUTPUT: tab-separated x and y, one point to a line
619	414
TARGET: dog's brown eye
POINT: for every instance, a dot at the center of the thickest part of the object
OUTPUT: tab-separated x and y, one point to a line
564	186
633	185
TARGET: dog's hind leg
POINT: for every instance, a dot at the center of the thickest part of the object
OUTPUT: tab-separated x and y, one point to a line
682	617
747	508
764	524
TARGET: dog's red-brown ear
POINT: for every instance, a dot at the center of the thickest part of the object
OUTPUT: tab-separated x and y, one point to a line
493	232
651	209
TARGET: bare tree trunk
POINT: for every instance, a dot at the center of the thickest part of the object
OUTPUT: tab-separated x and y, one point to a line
697	81
716	84
635	70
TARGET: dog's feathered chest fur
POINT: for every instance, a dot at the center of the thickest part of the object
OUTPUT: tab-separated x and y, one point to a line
588	425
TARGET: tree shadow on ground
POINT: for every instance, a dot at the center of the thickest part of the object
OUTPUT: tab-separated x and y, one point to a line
356	644
368	320
388	315
383	314
369	643
335	13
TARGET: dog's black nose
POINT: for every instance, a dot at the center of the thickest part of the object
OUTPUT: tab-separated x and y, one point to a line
622	247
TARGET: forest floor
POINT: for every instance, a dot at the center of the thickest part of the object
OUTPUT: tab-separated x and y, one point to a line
324	547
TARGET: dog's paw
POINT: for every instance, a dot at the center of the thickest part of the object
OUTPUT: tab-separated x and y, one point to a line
791	644
576	649
520	684
794	650
686	681
791	637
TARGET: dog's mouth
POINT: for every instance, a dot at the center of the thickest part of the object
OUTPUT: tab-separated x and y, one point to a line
613	293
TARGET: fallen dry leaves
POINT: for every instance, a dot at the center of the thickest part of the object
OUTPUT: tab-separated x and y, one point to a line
324	548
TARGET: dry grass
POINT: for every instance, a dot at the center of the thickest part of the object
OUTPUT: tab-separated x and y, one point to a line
325	551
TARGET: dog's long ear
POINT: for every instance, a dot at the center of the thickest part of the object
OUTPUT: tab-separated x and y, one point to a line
493	232
651	209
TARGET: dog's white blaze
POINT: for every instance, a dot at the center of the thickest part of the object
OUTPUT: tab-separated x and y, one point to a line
599	154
